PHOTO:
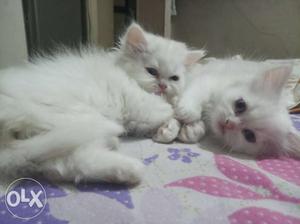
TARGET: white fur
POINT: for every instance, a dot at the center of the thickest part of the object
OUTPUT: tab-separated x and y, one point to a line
210	97
62	115
168	132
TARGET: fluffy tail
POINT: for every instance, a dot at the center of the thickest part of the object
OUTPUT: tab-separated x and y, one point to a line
56	142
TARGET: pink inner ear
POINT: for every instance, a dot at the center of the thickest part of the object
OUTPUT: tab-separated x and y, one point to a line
272	82
276	78
135	37
193	57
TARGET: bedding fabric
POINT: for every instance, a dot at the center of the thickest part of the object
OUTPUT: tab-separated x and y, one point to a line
183	184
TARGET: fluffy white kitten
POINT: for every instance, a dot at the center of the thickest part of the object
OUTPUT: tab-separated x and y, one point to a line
62	115
242	103
168	66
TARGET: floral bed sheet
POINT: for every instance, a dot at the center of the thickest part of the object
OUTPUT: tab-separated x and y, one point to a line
184	184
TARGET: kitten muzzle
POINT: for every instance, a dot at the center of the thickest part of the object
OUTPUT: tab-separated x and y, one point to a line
161	90
227	125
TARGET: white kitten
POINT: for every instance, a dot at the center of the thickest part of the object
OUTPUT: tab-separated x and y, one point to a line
167	63
242	103
62	115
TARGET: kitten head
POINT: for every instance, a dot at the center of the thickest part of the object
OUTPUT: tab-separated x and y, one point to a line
156	63
252	117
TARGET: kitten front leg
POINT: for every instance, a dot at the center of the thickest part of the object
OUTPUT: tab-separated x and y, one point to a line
146	113
189	107
188	111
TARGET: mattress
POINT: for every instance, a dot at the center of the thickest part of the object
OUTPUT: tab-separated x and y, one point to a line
183	184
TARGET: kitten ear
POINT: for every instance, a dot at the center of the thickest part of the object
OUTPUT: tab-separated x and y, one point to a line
272	81
134	38
194	56
293	143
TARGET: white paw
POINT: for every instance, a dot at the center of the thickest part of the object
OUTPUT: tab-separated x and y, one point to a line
187	113
168	132
192	133
129	172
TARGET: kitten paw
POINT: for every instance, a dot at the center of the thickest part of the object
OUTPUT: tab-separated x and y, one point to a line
192	133
168	132
130	173
187	113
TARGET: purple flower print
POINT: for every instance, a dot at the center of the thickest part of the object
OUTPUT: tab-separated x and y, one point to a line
296	121
155	206
44	217
147	161
185	154
23	209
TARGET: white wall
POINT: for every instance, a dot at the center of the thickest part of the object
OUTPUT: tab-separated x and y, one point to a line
13	48
255	28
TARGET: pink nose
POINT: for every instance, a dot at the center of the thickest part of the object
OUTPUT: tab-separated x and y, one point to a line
162	86
229	125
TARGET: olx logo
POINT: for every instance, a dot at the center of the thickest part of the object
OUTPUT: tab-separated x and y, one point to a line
25	198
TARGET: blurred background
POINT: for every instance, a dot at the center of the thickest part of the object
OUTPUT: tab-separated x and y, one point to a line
253	28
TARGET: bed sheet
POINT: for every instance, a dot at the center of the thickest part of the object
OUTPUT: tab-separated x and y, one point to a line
182	183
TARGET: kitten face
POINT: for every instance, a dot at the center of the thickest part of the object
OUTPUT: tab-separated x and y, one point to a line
161	69
251	117
157	64
246	121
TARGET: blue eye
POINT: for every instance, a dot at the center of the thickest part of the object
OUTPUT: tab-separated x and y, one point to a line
240	106
174	78
152	71
249	135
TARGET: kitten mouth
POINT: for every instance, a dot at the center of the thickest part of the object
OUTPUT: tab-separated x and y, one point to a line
222	128
158	93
